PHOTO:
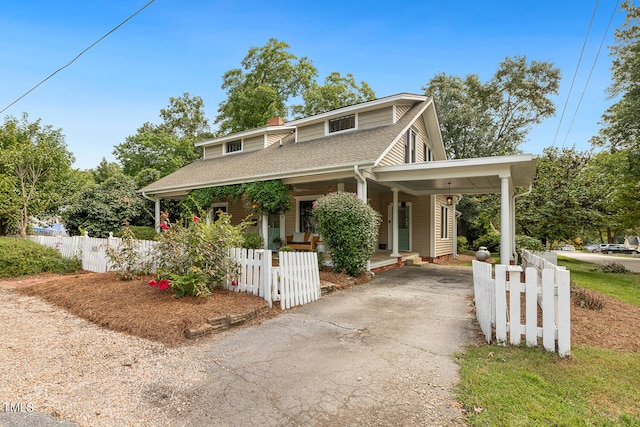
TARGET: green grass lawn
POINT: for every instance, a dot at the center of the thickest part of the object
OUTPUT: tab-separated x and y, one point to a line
519	386
625	287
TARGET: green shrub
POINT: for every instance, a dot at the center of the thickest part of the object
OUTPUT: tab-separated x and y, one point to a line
287	249
614	267
527	242
194	258
140	232
490	240
20	257
252	240
127	259
463	245
349	229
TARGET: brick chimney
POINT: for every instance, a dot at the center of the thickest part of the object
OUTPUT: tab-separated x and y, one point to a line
276	121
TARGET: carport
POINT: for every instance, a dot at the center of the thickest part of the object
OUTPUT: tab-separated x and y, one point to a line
486	175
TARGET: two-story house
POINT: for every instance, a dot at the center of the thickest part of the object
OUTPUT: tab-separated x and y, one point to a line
388	151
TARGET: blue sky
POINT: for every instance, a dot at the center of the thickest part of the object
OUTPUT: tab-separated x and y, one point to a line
173	47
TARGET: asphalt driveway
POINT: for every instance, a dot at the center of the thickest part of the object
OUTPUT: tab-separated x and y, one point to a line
376	354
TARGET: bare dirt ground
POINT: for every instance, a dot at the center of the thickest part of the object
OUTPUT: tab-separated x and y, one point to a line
138	309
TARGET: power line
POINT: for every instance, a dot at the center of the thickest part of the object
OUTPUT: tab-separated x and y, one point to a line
575	73
77	56
591	72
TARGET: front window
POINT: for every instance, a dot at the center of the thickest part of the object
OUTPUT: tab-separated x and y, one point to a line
233	146
307	221
342	123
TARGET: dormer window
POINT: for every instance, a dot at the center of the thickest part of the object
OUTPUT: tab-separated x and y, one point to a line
342	123
233	146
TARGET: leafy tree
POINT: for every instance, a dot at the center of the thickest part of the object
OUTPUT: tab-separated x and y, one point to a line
559	205
184	118
621	125
106	207
258	91
337	92
34	164
170	145
349	228
489	119
154	147
105	170
613	193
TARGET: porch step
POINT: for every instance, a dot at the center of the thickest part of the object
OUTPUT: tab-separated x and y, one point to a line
415	261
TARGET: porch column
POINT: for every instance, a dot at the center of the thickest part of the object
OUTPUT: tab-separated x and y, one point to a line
157	214
283	231
265	230
362	184
505	220
394	224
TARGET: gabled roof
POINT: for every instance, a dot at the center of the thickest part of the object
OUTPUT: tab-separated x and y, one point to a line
330	154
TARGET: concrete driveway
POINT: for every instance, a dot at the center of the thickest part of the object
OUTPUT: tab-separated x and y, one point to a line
631	262
375	355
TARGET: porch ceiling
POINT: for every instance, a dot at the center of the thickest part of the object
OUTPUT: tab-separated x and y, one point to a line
464	176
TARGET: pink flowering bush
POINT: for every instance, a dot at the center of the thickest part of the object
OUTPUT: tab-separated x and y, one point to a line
194	259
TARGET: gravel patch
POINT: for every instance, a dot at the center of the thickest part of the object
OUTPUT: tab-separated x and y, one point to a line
55	363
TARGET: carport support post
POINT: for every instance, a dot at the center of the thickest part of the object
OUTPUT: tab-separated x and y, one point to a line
505	220
394	224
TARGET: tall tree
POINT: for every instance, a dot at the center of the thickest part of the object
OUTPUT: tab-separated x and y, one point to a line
559	206
613	193
105	170
621	125
169	145
105	207
270	76
489	119
337	92
34	163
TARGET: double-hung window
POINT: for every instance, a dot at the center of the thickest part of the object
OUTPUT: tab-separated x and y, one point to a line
410	146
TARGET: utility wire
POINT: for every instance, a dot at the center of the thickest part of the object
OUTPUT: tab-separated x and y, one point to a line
591	72
575	73
78	56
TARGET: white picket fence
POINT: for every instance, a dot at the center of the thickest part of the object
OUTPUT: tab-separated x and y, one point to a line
295	282
91	250
549	292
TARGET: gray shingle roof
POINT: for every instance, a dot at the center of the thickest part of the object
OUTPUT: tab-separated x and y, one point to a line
359	147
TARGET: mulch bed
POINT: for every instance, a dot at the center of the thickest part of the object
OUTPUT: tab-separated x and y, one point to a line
135	308
138	309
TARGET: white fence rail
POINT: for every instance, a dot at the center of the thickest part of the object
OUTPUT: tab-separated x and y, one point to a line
92	250
546	296
295	282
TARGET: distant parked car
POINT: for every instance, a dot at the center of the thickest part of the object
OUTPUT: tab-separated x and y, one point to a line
592	248
567	248
617	249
